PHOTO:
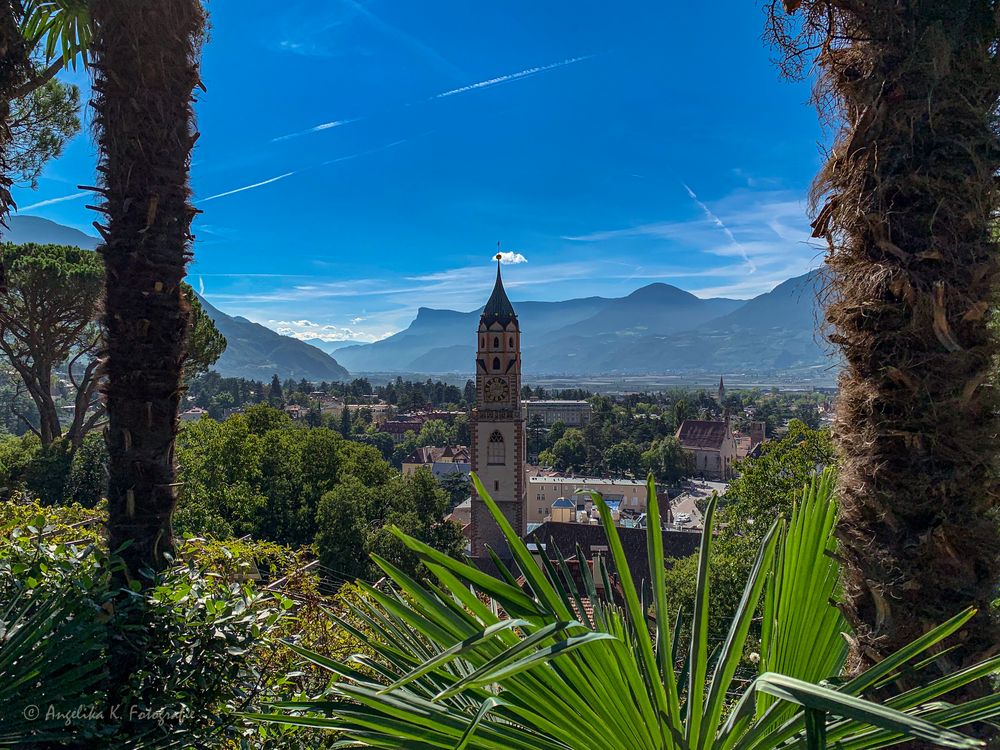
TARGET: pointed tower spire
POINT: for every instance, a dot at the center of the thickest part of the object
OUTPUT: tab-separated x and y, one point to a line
498	308
722	401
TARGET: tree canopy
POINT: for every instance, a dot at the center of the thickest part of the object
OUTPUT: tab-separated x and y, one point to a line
47	314
261	474
48	326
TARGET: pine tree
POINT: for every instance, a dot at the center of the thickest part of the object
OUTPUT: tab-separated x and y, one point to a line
345	421
275	394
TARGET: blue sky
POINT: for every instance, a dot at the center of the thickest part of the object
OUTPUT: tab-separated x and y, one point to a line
361	158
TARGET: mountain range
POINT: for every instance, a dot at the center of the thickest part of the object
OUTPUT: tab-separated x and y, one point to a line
656	330
252	350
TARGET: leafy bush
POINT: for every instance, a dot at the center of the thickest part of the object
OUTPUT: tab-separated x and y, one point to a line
354	519
54	474
200	634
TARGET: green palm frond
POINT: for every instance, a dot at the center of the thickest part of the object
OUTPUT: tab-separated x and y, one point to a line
801	633
50	664
472	661
61	26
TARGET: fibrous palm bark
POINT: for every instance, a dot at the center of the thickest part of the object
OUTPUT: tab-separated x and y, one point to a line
909	196
145	61
15	67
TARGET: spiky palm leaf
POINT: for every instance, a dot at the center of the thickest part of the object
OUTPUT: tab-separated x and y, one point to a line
50	663
63	26
472	661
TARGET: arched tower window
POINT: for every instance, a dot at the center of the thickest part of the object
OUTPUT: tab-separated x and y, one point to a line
511	342
496	451
496	342
496	363
482	343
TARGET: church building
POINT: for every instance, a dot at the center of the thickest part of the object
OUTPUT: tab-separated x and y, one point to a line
497	422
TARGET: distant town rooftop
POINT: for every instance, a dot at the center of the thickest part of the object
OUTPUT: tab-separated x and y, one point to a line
588	480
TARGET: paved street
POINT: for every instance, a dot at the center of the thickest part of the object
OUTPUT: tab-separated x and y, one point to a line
687	502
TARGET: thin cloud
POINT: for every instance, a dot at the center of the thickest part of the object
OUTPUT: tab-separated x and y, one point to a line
367	152
407	38
718	222
246	187
509	258
315	129
53	201
658	230
527	73
348	157
511	77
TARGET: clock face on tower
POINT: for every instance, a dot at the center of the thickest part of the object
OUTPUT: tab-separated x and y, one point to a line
496	389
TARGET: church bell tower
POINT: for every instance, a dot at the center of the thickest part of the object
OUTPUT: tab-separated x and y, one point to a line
498	435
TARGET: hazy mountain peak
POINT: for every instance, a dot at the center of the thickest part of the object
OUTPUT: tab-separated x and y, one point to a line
45	232
657	329
662	293
255	351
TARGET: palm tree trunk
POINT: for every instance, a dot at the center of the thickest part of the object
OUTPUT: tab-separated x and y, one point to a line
145	59
910	195
14	69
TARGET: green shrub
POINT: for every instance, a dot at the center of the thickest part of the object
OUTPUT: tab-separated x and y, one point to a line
200	635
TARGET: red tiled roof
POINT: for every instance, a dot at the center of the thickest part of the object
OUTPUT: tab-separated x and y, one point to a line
700	433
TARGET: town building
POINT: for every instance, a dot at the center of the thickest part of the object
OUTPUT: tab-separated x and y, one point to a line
398	427
192	414
593	541
497	423
748	445
570	413
618	493
462	515
453	459
711	446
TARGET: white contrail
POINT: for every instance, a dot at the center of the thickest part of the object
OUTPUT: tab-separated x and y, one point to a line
718	222
511	77
365	153
246	187
471	87
304	169
52	201
201	285
315	129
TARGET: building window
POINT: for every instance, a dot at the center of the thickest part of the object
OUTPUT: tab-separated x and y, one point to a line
496	363
496	342
511	342
482	343
496	485
496	451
